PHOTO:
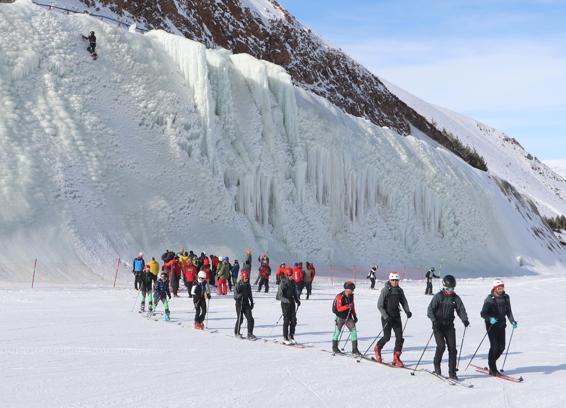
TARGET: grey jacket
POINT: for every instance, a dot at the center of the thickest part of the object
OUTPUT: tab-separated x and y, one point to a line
389	300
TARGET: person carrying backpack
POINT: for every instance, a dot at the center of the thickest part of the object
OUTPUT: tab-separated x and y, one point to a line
288	295
345	311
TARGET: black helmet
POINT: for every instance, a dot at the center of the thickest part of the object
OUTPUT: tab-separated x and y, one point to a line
349	285
449	281
92	33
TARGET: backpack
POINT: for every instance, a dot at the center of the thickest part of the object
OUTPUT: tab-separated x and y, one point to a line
334	308
279	294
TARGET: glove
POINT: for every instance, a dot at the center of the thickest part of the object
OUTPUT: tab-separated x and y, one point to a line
208	296
252	306
514	324
466	323
351	306
435	325
492	320
385	320
409	315
355	319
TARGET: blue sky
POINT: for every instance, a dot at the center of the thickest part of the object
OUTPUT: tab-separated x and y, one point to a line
501	62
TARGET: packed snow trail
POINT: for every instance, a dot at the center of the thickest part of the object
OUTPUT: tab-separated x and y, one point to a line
68	347
163	143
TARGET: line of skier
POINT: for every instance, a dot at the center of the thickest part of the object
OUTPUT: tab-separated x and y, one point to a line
291	281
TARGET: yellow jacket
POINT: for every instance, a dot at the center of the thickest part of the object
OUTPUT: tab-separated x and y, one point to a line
153	267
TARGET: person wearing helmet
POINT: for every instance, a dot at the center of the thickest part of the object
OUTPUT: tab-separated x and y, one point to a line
235	271
288	295
298	277
345	311
91	42
280	272
371	276
146	288
441	312
222	276
264	274
497	307
390	301
429	275
244	306
190	273
201	292
138	265
162	294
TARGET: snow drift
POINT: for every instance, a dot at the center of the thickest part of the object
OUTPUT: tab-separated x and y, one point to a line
162	142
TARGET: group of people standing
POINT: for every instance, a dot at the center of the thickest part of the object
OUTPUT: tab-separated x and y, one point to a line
441	312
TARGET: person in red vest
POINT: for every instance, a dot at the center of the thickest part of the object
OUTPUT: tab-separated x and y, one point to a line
308	277
264	273
190	275
174	270
298	277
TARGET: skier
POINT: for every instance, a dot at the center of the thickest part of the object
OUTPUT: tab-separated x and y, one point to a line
247	266
91	43
262	260
244	305
495	308
183	258
264	273
371	276
280	272
298	277
146	282
308	276
138	265
390	298
345	311
201	292
429	275
223	275
214	261
288	295
235	271
441	313
153	268
173	268
162	294
167	256
190	273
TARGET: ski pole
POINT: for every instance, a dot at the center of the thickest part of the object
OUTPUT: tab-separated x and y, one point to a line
207	310
238	322
136	301
507	352
371	344
276	324
342	329
418	362
484	336
405	326
461	346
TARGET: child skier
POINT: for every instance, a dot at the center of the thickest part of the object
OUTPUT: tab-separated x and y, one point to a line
345	311
244	305
201	292
162	293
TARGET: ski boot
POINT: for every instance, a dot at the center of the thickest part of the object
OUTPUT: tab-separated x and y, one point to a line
287	341
397	360
292	340
166	316
142	307
437	370
355	350
238	336
251	336
377	351
335	348
453	376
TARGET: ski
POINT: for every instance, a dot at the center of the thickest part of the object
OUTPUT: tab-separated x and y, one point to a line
448	380
343	354
485	370
297	345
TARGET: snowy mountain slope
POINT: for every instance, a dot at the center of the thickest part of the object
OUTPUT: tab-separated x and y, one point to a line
161	142
558	166
505	157
265	30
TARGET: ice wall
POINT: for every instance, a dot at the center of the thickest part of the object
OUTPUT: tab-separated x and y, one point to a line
162	143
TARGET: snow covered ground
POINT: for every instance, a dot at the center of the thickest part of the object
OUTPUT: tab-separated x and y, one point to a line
84	347
559	166
163	143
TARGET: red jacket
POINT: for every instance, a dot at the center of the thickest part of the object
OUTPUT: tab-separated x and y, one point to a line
313	271
173	265
298	273
190	272
265	271
205	261
280	272
343	305
214	260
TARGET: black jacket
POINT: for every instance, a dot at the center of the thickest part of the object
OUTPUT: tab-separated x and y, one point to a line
389	301
243	294
288	289
442	306
498	307
429	275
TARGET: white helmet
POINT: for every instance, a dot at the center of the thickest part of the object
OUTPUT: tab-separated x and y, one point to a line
497	282
202	275
140	254
394	276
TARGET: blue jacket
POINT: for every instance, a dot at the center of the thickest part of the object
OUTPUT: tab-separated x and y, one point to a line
235	271
138	264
